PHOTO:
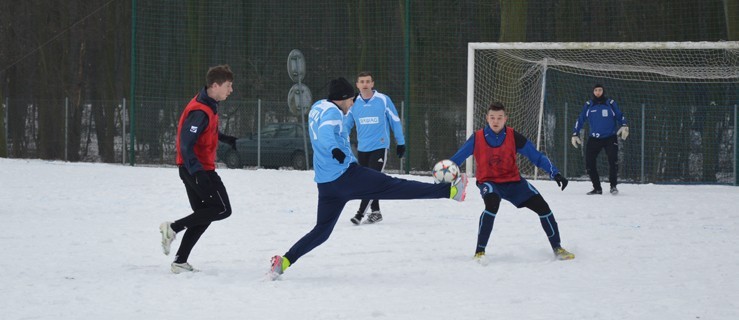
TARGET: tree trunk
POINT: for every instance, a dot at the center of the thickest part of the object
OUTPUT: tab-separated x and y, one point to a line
513	20
104	112
50	107
568	16
731	8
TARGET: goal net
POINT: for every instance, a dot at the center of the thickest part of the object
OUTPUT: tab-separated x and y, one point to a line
678	98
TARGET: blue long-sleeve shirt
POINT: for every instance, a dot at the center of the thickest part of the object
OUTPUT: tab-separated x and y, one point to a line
523	146
373	118
327	132
604	118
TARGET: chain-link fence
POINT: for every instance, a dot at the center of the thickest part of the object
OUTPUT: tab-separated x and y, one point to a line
154	54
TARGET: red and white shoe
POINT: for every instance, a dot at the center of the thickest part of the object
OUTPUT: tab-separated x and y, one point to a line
279	264
459	188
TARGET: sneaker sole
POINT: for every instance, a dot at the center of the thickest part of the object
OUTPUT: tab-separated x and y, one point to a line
568	257
178	270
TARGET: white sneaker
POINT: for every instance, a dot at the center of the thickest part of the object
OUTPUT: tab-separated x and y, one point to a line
182	267
168	235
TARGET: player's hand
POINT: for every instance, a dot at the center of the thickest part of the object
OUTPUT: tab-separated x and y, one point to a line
229	140
338	155
623	132
561	181
576	141
400	150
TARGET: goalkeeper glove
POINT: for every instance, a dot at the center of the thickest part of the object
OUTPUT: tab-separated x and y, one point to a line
576	141
623	132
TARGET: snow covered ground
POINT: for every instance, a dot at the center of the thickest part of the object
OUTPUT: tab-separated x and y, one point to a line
81	241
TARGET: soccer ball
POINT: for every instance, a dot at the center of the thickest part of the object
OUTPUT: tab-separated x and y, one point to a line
445	171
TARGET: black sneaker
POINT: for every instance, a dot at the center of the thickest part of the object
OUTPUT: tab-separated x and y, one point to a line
595	191
614	191
373	217
357	219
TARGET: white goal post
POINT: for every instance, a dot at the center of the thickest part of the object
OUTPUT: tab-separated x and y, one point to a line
517	75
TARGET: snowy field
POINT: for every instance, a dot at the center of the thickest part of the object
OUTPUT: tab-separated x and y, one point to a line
81	241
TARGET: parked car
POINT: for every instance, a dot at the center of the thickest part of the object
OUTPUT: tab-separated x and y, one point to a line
281	146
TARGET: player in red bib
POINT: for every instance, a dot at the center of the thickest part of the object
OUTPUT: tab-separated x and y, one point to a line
495	147
196	142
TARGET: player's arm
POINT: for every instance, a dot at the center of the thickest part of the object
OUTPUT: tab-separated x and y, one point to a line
527	149
581	119
194	124
391	113
464	152
620	118
349	121
329	130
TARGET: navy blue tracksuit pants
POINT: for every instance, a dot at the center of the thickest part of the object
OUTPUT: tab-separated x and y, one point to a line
358	183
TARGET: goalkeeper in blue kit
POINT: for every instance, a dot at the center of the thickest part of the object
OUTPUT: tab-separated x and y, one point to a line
607	123
373	114
340	179
495	148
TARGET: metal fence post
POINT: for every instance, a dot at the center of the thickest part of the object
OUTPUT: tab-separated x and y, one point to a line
66	128
564	144
132	118
643	134
259	133
123	131
7	146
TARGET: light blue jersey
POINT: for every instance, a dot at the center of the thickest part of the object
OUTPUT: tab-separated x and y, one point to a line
373	119
327	132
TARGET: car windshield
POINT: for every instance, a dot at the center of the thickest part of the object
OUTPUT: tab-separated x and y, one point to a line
270	131
286	131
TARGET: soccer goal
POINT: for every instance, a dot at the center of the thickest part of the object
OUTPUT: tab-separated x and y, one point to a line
679	98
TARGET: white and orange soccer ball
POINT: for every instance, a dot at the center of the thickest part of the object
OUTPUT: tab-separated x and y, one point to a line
445	171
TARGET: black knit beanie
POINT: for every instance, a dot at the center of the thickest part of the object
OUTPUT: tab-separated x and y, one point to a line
340	89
